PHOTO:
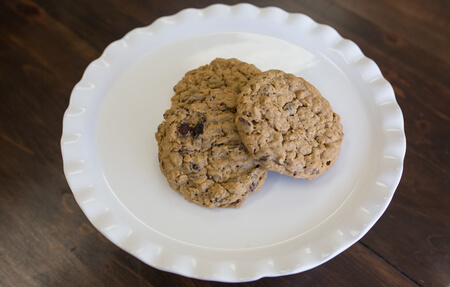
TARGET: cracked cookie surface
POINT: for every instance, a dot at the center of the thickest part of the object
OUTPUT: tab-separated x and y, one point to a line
199	148
223	74
287	125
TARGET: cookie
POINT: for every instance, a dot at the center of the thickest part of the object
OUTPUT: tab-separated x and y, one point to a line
228	74
287	125
199	148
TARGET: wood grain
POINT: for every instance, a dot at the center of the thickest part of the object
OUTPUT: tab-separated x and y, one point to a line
46	240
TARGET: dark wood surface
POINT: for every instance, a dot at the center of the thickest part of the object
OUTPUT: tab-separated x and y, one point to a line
46	240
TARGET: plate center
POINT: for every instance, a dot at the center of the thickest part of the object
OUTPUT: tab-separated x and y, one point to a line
285	207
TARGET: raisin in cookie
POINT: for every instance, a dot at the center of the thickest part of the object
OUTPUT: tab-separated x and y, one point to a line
199	148
287	125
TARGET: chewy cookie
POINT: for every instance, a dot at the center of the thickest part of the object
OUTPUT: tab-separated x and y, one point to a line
225	74
287	125
199	148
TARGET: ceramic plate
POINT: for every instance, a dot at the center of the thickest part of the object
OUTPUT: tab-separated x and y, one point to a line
290	225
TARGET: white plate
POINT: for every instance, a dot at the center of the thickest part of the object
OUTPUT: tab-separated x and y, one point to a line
290	225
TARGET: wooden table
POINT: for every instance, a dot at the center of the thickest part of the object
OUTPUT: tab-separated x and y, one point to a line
46	240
